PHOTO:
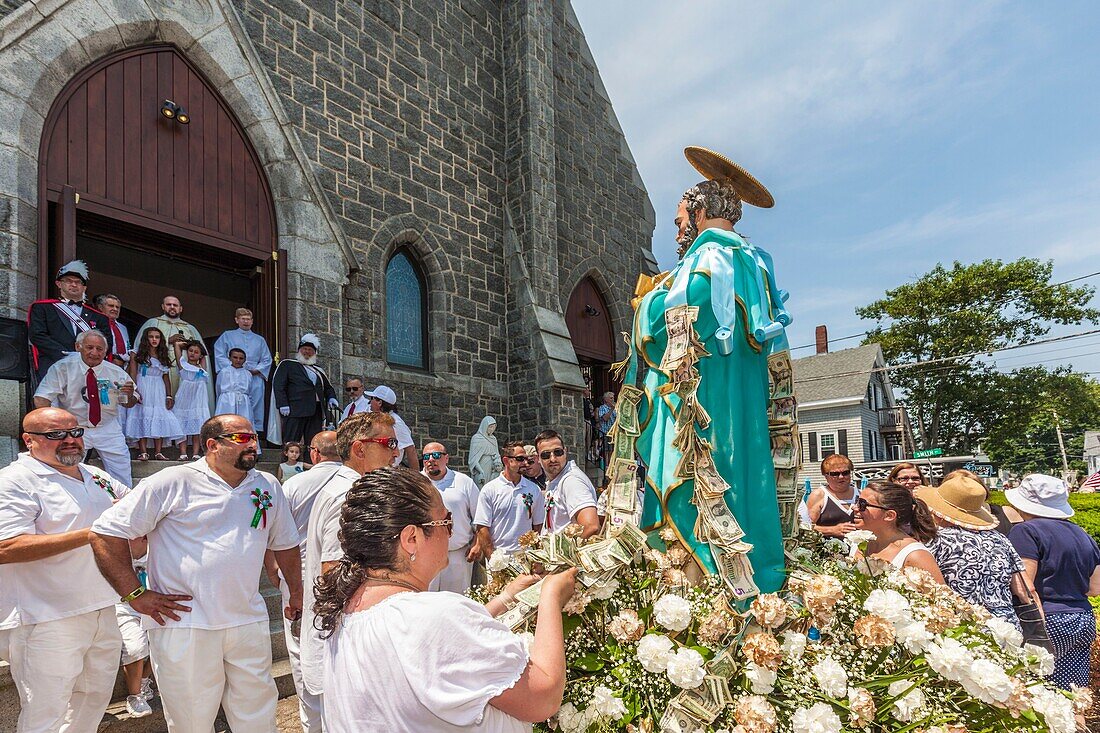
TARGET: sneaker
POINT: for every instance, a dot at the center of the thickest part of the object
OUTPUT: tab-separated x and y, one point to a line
147	691
137	706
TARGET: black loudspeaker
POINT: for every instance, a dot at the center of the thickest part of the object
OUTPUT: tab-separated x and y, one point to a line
14	359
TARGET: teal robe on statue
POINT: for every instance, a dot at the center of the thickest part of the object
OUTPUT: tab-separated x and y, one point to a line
731	283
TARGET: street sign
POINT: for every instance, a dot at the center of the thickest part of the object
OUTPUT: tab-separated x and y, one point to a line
930	453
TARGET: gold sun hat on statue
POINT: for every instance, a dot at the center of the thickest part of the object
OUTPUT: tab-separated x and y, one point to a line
717	167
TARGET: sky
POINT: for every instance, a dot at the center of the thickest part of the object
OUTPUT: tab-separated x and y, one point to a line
893	136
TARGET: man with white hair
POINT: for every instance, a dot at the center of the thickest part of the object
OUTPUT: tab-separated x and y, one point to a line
300	392
57	613
54	324
93	389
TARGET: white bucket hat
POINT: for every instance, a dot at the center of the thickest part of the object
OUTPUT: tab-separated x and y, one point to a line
1041	496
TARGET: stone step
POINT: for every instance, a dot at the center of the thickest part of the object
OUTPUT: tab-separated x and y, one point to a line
269	462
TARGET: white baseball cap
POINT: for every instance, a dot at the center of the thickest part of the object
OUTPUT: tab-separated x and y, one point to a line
384	393
1041	496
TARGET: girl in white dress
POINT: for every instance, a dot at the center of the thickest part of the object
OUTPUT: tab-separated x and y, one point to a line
192	407
152	417
400	658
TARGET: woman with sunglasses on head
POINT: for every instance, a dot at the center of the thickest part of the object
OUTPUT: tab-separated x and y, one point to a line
400	659
830	507
906	474
901	525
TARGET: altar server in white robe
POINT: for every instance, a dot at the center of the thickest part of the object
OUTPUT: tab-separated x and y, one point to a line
234	387
257	361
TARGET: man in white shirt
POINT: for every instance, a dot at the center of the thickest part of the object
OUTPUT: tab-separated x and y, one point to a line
93	389
357	401
570	496
257	360
301	492
209	523
460	497
384	399
57	613
509	505
365	441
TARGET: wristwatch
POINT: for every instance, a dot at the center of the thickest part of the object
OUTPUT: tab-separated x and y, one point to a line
133	594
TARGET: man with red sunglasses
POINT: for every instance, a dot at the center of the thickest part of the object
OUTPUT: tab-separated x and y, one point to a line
209	524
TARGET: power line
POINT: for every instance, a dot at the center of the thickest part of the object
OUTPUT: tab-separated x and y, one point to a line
998	304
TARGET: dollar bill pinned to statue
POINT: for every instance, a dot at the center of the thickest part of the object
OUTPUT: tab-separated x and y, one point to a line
780	374
785	447
679	331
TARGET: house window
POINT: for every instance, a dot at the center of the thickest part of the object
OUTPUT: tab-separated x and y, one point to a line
827	444
896	452
406	312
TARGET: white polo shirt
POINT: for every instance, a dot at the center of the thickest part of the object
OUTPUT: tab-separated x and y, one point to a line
66	382
460	497
301	492
566	495
201	542
35	499
322	545
502	507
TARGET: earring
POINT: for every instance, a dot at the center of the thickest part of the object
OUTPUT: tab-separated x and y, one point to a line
412	558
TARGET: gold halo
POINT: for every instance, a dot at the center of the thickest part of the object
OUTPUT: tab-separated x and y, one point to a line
717	167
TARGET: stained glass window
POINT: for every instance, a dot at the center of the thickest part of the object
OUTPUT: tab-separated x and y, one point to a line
406	312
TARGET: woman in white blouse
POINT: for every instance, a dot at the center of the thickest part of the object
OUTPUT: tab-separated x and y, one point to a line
398	658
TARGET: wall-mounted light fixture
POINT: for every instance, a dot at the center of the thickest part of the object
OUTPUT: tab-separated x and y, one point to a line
590	311
173	111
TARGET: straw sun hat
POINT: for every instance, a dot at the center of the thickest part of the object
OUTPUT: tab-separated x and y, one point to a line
717	167
959	500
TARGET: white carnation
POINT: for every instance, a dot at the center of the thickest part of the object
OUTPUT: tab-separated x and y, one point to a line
891	605
1005	634
569	719
855	538
1039	660
948	658
654	651
605	590
817	719
672	612
761	679
914	636
685	668
497	561
988	682
1056	709
906	706
831	677
794	644
606	704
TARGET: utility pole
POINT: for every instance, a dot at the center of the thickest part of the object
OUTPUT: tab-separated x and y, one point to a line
1061	443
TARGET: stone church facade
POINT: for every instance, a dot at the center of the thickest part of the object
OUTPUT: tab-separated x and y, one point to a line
472	139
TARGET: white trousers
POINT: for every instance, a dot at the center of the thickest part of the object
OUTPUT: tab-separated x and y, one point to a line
64	671
107	438
309	705
199	669
457	575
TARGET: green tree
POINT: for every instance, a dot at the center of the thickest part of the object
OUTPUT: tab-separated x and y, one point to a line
1034	402
965	309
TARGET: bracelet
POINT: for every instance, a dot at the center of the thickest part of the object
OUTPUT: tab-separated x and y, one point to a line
133	594
507	599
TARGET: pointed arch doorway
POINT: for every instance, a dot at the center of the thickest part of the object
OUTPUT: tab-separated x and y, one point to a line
590	329
157	206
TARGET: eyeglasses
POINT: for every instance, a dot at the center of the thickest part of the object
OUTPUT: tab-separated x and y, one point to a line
353	389
862	505
907	479
556	452
521	459
59	434
435	455
445	522
838	474
238	438
390	443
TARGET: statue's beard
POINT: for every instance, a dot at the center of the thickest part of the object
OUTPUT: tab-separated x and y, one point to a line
686	239
307	360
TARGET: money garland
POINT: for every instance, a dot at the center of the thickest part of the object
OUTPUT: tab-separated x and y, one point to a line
785	441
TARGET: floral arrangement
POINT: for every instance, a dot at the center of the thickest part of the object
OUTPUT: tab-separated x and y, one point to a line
850	645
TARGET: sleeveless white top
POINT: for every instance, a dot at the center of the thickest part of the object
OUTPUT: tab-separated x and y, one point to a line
898	560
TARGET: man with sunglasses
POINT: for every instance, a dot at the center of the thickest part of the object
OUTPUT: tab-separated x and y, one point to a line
57	618
302	490
459	494
830	507
209	524
364	442
509	505
570	496
93	389
357	401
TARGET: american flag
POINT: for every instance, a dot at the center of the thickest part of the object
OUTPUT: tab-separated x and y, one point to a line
1092	482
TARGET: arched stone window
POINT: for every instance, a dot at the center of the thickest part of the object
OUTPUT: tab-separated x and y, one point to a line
406	311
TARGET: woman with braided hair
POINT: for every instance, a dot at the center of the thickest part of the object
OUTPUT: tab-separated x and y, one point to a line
398	658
